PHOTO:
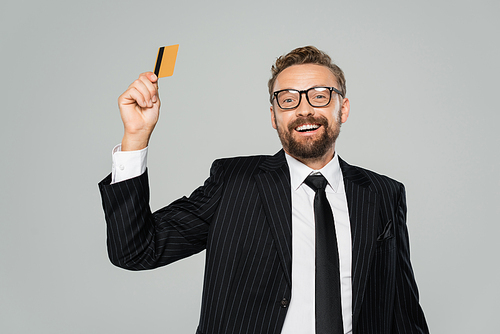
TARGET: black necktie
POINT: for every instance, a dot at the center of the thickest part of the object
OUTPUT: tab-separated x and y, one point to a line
328	304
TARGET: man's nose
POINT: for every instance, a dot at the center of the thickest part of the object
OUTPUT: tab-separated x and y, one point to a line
304	109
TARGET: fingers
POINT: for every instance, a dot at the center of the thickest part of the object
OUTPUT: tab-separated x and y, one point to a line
133	96
143	91
145	86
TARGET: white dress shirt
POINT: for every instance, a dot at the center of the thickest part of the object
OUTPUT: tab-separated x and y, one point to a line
300	317
301	313
127	164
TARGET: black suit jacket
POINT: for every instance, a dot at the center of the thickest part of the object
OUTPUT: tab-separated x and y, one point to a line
242	217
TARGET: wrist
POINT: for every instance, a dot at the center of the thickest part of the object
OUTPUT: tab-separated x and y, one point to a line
134	143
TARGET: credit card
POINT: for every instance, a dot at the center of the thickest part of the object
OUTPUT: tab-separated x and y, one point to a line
165	60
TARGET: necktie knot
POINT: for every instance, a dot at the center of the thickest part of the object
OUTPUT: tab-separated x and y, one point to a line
316	182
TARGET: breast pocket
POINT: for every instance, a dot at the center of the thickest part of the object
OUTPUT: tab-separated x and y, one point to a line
386	240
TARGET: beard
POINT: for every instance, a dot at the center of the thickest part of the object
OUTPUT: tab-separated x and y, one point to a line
309	148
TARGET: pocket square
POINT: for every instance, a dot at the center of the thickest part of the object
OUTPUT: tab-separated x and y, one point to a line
387	233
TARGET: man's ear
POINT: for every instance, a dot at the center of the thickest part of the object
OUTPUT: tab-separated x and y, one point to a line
273	118
344	110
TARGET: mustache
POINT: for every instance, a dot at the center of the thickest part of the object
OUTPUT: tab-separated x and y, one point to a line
321	120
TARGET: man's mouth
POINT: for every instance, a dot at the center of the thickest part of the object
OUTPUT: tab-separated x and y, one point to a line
307	127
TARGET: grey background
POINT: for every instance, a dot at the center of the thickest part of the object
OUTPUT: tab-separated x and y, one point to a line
422	78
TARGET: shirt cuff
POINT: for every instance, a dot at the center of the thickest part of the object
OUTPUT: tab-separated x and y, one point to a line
127	164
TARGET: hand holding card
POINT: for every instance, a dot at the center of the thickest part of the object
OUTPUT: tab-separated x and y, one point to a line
140	104
139	109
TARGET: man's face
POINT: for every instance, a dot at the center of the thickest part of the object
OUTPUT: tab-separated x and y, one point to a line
308	133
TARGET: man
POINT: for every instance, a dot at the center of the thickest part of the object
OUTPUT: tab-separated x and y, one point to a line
298	242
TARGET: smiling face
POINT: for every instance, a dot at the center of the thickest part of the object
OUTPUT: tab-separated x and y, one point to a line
307	133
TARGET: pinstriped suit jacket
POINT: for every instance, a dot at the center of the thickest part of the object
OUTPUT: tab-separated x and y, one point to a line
242	217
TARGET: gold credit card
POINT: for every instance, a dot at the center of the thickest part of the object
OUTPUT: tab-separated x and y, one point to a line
165	60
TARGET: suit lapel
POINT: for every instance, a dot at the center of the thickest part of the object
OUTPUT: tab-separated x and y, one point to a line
363	207
275	192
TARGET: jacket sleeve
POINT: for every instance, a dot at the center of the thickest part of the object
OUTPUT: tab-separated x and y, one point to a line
409	316
139	239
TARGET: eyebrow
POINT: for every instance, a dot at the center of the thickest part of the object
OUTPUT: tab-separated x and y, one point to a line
315	86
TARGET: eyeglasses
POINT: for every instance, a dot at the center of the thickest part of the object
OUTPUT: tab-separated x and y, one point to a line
316	96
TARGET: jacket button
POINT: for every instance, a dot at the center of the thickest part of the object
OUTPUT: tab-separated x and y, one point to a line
284	303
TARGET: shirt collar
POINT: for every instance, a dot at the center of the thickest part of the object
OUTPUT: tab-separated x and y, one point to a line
299	171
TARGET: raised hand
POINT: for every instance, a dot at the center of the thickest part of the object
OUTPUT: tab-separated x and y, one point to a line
139	108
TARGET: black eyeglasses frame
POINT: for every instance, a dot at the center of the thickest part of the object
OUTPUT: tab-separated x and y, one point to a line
275	94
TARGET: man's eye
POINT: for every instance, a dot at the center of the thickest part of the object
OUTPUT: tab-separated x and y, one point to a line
288	99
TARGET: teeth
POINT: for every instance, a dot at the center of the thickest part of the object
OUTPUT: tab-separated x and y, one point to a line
307	127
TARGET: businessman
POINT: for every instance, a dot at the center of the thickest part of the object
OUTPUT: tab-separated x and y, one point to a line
297	242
